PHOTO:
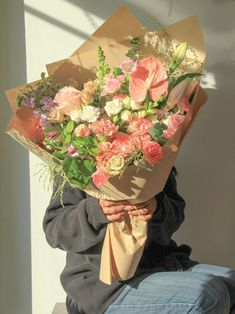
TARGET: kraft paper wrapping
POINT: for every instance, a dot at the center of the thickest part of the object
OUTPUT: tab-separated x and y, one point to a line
124	241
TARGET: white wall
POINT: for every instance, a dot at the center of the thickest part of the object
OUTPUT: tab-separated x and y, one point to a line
54	29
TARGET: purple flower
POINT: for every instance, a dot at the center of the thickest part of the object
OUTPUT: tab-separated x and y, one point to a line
29	102
47	103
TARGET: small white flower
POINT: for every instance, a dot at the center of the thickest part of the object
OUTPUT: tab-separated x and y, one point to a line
113	107
126	115
130	103
135	105
75	115
90	114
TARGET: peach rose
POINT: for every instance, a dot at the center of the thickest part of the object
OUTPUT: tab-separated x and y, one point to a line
56	115
68	98
89	87
86	97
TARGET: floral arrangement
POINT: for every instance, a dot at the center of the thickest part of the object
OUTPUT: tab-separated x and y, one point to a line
123	117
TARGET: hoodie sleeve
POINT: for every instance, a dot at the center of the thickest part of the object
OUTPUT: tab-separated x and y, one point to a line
77	226
169	214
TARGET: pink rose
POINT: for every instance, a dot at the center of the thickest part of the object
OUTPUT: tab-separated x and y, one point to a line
100	177
173	121
152	152
82	130
68	98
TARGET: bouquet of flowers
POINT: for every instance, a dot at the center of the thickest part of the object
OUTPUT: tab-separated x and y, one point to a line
116	129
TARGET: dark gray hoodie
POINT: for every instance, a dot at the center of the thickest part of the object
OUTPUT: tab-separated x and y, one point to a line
79	228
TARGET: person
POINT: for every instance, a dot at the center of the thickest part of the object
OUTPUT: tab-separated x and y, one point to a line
167	280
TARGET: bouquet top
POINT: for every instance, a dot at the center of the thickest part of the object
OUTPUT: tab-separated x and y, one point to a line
109	121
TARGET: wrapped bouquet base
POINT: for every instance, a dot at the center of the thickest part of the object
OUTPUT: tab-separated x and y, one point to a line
124	241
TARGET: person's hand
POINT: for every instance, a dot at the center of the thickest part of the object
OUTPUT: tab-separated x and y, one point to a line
113	210
143	210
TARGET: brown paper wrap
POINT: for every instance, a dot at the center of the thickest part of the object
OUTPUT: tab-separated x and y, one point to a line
124	241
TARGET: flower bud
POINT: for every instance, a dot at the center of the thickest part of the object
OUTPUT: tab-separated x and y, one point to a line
178	55
141	114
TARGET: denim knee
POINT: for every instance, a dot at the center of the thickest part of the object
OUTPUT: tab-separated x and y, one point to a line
213	295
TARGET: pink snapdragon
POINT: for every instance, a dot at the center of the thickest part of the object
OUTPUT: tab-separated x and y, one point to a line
104	127
72	151
128	66
112	84
51	134
151	76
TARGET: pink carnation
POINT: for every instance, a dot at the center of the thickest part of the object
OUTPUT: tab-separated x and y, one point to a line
100	177
152	152
123	145
173	122
104	146
139	125
68	98
103	158
139	140
104	127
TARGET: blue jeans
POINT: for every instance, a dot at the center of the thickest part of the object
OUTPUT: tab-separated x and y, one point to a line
203	289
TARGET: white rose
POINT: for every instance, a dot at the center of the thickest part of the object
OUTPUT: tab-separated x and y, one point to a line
115	165
113	107
75	115
90	114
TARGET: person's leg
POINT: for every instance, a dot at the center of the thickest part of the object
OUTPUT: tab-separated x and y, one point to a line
173	293
226	274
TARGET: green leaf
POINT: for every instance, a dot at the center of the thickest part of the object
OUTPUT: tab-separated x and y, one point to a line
182	78
67	139
69	128
117	71
78	171
59	155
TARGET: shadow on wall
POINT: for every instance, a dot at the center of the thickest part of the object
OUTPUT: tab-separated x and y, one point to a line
207	161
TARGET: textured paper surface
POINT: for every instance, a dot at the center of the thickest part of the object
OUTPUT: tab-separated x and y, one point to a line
124	242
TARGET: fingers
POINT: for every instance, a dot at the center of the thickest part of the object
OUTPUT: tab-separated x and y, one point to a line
107	203
115	217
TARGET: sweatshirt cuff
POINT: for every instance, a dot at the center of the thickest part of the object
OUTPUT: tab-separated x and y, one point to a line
96	216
